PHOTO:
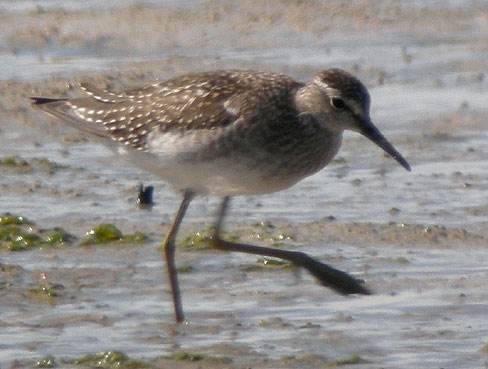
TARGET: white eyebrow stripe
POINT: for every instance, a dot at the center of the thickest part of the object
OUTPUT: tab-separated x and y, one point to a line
331	91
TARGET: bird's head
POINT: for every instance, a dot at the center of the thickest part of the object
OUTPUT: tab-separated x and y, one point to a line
340	102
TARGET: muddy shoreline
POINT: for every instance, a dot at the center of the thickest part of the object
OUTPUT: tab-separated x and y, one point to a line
419	239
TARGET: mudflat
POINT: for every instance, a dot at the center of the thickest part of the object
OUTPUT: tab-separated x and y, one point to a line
76	292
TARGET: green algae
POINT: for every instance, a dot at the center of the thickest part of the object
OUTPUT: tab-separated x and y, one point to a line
43	291
110	359
203	238
191	356
11	219
264	231
25	241
108	233
137	237
18	233
265	263
103	233
104	360
269	233
16	163
318	361
339	160
58	236
354	359
47	165
185	269
199	240
21	165
15	238
401	260
271	262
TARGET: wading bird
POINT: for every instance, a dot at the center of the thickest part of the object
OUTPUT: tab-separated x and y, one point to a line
229	133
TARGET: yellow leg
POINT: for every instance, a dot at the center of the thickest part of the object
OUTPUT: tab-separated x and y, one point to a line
328	276
168	247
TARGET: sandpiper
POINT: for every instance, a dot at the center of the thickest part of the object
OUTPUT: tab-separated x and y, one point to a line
227	133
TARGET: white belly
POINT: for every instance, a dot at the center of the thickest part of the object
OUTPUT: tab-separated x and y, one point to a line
208	163
220	177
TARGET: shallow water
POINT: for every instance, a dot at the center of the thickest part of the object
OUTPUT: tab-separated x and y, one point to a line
429	97
437	317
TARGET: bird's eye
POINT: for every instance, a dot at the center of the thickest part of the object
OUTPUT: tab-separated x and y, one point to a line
337	103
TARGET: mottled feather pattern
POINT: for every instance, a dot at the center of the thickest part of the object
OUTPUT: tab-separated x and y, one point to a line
209	101
191	102
227	132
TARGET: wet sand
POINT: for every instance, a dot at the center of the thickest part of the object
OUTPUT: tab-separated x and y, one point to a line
419	239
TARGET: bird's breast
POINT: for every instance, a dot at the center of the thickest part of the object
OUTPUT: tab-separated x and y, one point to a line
228	162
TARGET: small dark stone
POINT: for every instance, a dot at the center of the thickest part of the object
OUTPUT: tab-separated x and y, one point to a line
145	196
393	211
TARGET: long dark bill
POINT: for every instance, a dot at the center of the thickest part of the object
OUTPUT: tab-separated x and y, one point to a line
371	132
